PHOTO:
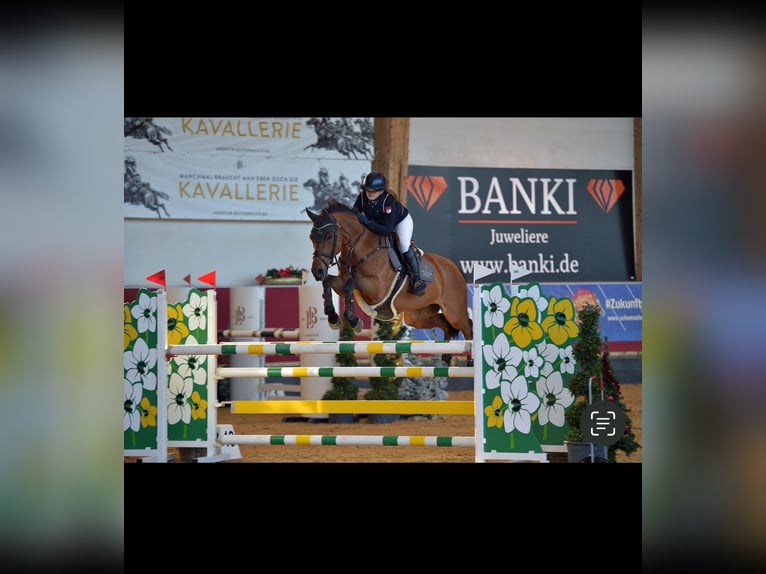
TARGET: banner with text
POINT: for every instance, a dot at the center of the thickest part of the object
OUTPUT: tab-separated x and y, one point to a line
562	225
301	138
260	169
171	186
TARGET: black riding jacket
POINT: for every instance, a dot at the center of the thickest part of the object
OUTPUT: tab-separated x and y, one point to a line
385	213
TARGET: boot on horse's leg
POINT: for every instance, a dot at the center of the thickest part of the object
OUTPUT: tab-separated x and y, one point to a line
418	285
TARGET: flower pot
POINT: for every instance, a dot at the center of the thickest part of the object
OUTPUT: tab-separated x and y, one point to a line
581	452
282	281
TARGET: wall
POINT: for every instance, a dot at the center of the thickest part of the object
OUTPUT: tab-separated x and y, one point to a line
238	251
574	143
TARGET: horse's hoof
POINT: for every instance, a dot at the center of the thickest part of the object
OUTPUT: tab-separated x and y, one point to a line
334	325
358	326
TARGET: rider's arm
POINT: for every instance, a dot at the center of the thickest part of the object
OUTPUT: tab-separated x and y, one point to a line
386	223
382	229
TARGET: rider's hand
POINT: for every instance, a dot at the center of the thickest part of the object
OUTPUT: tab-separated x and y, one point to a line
363	219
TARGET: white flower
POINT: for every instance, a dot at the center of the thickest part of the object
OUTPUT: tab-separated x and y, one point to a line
549	351
567	360
139	365
132	393
521	405
496	307
192	366
555	399
179	393
195	310
532	363
145	311
503	359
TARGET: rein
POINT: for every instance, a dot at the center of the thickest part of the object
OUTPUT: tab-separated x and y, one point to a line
332	259
351	268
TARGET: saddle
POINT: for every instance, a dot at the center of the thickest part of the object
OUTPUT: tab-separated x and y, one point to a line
384	310
397	259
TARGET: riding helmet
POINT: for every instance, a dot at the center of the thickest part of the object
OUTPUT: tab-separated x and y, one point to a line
375	181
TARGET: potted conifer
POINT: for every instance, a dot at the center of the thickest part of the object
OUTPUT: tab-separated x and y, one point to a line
343	388
386	388
593	367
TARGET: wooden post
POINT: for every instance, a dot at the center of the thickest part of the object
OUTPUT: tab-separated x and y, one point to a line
639	214
392	146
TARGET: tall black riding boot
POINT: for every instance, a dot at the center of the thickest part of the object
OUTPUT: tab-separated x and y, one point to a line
418	285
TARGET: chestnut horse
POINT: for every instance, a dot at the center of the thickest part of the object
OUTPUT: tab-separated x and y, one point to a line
370	268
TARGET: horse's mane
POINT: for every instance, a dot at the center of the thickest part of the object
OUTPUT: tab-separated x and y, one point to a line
335	206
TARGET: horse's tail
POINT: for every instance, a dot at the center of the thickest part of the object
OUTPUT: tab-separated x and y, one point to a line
164	130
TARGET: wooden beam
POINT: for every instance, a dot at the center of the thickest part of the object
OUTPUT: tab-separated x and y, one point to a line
639	214
392	146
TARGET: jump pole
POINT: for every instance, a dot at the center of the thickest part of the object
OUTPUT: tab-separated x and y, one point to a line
333	347
348	440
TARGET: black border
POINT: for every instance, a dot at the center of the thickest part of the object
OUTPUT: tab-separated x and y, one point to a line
412	509
577	61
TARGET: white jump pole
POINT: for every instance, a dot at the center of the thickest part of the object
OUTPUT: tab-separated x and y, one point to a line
246	313
315	327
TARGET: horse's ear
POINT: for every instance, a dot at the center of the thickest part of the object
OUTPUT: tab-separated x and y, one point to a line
311	215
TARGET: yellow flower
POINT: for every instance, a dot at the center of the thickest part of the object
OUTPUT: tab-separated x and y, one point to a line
559	324
494	413
177	329
148	413
523	326
199	406
130	333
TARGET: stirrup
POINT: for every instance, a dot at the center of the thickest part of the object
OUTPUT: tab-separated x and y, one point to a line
419	287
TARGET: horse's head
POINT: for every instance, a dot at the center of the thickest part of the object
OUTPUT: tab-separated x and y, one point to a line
324	238
335	226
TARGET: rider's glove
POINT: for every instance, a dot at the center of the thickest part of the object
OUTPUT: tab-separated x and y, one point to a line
363	219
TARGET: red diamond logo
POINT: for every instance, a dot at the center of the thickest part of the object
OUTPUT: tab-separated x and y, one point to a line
606	192
426	189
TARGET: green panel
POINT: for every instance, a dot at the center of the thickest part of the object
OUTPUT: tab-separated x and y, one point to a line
188	375
530	358
140	355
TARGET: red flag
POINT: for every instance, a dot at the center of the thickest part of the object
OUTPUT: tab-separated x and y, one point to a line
158	278
188	279
208	278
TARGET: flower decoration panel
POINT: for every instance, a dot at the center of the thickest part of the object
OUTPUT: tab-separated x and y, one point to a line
526	361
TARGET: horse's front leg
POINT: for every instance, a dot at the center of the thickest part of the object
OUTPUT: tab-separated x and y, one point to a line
349	311
329	307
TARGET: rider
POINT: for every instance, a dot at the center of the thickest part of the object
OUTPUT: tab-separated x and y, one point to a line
381	212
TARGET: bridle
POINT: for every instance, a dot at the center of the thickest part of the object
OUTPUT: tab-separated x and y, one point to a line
319	235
